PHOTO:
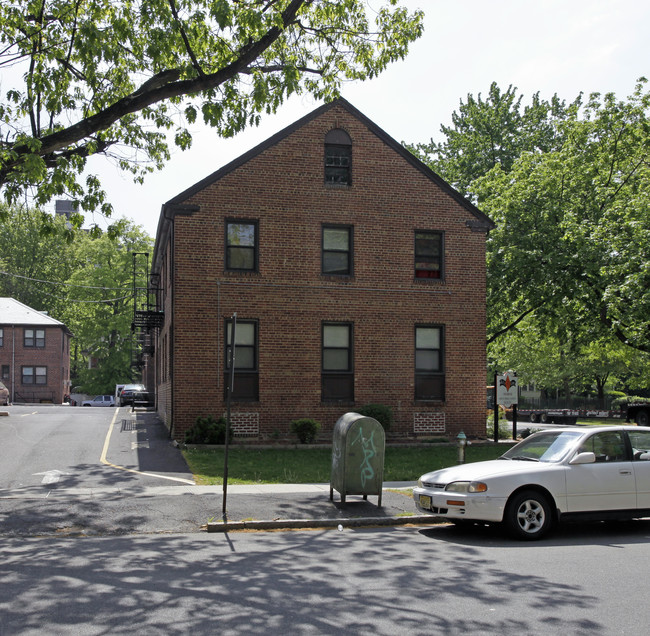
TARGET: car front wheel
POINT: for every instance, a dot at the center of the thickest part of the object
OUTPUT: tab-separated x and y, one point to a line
528	515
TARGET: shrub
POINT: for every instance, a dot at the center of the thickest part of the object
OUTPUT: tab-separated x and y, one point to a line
505	432
305	429
622	402
207	430
380	412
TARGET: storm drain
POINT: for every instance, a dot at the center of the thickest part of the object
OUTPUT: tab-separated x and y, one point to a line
131	425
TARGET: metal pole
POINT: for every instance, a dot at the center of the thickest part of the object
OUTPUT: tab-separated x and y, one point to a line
496	411
231	385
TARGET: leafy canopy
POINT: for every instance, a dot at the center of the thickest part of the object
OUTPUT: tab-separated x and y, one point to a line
568	186
125	77
87	284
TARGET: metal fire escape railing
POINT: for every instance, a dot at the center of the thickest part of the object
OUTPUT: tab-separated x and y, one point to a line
147	316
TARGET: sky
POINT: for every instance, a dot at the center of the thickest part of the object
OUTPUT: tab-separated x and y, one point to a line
561	47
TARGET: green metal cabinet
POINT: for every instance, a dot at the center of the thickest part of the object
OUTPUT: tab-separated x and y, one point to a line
358	448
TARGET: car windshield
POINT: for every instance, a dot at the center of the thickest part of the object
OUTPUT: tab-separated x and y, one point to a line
549	446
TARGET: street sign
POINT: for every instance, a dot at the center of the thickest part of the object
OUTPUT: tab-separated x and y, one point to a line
507	389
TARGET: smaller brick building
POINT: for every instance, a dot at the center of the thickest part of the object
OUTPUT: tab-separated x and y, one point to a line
357	275
34	354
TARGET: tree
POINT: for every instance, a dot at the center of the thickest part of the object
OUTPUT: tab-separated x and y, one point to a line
102	75
494	132
34	266
573	225
578	363
87	284
568	189
101	305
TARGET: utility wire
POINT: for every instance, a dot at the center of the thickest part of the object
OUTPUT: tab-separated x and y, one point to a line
77	300
51	282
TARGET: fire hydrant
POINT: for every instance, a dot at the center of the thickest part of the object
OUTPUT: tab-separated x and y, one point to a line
461	440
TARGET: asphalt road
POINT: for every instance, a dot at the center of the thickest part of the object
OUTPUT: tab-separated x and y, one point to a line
383	582
85	447
103	535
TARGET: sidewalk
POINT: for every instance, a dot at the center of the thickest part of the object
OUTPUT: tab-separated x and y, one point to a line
250	506
289	506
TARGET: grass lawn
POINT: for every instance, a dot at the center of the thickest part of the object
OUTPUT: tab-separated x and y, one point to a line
313	465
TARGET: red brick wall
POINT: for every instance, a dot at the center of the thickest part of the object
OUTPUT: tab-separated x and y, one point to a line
55	356
283	188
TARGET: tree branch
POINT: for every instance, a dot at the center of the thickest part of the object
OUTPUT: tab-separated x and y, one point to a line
513	324
188	47
146	96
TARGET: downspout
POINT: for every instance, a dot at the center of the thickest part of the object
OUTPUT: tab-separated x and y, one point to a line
13	363
170	333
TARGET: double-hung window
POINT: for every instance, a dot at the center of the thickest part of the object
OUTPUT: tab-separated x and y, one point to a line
34	338
34	375
242	245
2	337
337	250
338	158
428	254
429	363
246	377
337	375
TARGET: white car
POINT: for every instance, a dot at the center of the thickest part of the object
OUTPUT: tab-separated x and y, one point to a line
100	400
563	474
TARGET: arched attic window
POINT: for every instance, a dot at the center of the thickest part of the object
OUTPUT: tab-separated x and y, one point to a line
338	157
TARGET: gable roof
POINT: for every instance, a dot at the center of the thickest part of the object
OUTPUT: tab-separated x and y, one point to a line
13	312
176	204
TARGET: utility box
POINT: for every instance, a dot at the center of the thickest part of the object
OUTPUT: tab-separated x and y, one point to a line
357	457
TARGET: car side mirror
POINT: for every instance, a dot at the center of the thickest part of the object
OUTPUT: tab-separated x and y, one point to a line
583	458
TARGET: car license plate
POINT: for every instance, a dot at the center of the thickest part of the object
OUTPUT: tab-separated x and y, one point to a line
425	502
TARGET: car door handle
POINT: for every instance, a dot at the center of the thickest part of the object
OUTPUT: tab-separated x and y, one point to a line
625	472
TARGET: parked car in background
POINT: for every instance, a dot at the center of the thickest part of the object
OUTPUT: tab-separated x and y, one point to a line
133	393
100	400
563	474
4	395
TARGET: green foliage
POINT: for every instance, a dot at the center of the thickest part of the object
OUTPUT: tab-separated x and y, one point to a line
505	432
207	430
622	402
380	412
36	257
86	283
491	132
305	429
127	79
568	273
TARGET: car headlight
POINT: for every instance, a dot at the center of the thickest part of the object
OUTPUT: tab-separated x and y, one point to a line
466	486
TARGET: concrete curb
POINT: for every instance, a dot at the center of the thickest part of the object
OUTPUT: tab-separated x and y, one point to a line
352	522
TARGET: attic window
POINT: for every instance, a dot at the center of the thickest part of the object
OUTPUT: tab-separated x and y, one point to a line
338	157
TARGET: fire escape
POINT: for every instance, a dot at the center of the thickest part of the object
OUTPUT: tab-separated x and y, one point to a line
147	316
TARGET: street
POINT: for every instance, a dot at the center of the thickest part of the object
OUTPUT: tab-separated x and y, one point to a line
388	581
94	543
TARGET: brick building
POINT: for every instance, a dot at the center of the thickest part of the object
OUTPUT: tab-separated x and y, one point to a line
357	276
34	354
